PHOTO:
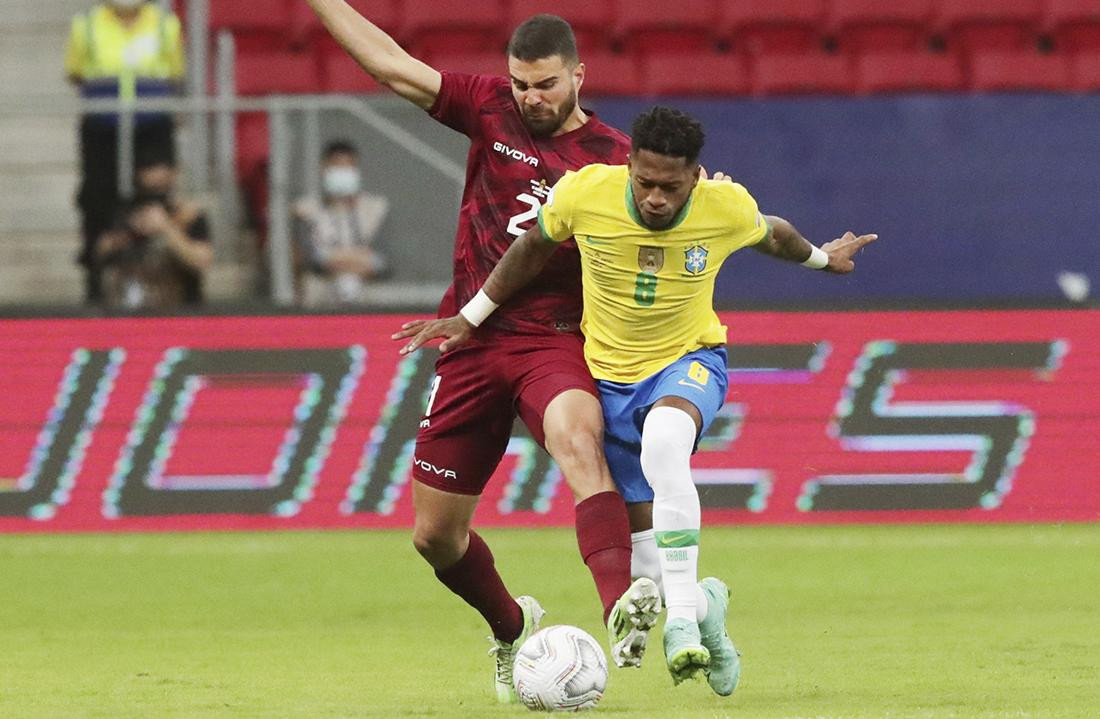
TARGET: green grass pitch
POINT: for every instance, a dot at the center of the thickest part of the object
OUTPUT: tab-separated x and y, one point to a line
886	621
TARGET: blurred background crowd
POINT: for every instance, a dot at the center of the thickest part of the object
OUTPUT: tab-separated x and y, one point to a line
171	155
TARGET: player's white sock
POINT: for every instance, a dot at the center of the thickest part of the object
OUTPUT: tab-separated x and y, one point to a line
645	561
644	558
668	436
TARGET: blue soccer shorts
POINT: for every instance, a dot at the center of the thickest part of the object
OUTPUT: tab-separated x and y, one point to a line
699	377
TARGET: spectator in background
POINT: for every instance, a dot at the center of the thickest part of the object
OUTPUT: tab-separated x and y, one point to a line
337	233
120	49
155	256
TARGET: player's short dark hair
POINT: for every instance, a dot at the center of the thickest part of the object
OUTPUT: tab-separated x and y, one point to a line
667	131
339	147
542	36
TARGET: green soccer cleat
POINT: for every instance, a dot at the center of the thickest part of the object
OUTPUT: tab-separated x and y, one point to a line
628	625
724	671
505	653
684	650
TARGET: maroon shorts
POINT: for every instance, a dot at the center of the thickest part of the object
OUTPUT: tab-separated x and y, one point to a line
477	392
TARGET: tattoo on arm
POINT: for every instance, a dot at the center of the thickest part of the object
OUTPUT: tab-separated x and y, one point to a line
520	265
784	241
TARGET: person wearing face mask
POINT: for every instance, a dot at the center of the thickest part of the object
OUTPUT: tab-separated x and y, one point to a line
337	233
119	49
158	251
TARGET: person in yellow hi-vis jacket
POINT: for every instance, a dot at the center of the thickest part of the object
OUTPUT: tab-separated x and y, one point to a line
121	49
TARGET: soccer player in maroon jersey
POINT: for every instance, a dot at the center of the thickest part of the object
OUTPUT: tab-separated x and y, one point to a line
525	133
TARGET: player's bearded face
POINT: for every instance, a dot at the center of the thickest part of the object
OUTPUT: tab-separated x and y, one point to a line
545	91
661	186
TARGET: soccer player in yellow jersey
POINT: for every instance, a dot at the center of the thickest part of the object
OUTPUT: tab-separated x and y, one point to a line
652	237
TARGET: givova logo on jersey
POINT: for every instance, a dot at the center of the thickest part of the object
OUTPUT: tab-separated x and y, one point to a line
516	154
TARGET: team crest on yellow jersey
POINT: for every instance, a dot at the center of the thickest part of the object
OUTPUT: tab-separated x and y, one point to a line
695	259
651	259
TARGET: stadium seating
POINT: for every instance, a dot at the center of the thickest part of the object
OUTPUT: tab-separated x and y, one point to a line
695	74
908	72
611	74
649	25
1074	25
975	26
343	75
777	26
872	25
591	21
266	73
998	71
479	63
259	25
453	26
305	28
1085	72
802	73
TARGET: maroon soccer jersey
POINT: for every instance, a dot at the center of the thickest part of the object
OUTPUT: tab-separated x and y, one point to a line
508	176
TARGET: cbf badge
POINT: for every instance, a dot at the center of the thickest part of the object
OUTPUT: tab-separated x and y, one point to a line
651	259
695	259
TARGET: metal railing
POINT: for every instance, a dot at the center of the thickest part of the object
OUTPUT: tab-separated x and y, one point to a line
224	108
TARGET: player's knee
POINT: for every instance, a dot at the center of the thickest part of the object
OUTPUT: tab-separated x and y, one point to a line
441	546
575	447
668	437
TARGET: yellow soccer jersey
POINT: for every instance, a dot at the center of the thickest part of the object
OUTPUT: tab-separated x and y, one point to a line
648	294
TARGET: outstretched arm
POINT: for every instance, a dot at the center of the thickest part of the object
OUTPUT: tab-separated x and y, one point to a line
787	243
378	53
520	264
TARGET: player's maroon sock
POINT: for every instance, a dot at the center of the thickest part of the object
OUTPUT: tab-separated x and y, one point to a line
603	534
475	579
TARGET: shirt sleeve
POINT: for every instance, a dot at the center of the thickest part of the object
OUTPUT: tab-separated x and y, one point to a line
460	98
75	51
556	214
749	225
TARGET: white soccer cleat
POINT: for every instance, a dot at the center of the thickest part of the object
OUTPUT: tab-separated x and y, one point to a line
628	625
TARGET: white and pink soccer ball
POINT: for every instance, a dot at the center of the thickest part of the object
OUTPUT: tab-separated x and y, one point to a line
560	669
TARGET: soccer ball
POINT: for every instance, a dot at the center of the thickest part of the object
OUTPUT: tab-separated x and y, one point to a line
560	669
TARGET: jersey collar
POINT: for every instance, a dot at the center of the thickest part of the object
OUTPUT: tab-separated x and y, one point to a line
636	216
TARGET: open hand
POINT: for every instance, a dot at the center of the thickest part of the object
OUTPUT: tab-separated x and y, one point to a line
455	331
840	251
718	176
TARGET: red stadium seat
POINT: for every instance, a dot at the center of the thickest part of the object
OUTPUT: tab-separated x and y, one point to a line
341	74
1085	72
974	26
1074	24
908	72
481	63
649	25
776	26
695	74
610	74
252	144
591	21
305	28
271	73
447	27
876	26
1000	71
802	73
260	25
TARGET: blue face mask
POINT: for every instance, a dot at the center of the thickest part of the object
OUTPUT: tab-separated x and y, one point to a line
341	181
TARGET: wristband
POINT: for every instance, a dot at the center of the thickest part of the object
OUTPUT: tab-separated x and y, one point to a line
478	309
818	259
